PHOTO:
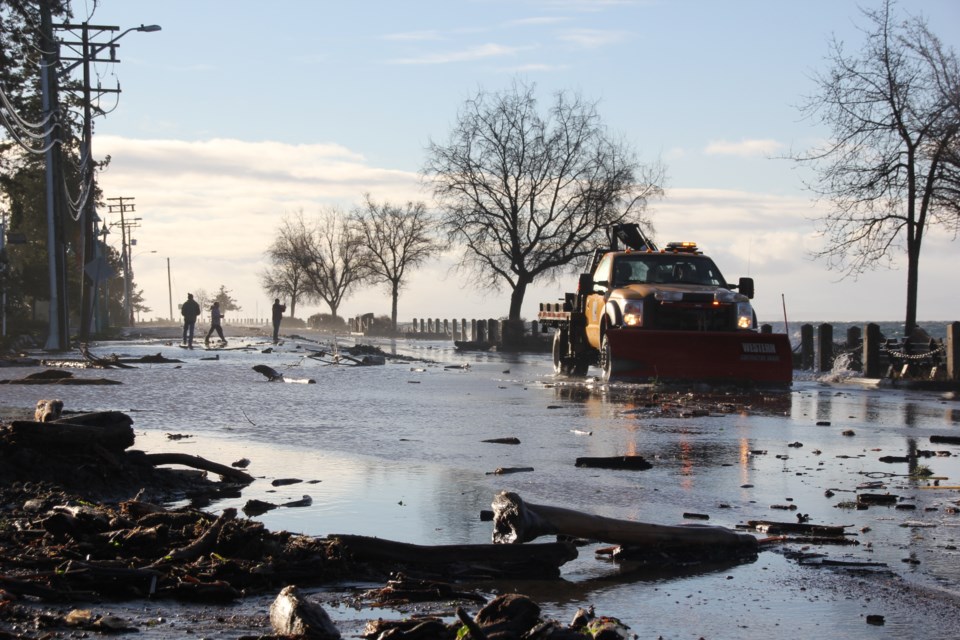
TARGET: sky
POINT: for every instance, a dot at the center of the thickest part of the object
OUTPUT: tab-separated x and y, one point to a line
238	114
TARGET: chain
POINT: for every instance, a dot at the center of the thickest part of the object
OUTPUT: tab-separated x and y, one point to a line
913	356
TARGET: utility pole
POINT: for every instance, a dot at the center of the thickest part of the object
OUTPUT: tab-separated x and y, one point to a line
58	336
88	51
125	205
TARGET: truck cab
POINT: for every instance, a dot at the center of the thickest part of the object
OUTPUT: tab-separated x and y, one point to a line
678	289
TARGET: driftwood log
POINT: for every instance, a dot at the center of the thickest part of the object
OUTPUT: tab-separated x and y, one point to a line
197	462
58	377
631	463
110	430
273	375
775	528
515	521
463	561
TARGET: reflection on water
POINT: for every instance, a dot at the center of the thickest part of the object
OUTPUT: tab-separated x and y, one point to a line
397	451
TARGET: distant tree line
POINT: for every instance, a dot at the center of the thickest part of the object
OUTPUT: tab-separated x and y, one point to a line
324	259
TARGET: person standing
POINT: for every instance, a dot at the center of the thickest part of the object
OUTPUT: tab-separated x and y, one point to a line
278	310
215	317
190	310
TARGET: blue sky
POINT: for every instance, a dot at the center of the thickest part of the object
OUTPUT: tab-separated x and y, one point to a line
236	114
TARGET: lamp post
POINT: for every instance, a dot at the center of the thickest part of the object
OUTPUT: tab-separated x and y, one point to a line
88	52
103	316
130	285
169	290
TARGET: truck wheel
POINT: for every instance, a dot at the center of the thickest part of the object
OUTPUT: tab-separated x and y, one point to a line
606	360
567	365
559	348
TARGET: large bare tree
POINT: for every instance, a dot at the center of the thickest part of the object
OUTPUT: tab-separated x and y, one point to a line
890	167
398	239
286	277
529	192
332	256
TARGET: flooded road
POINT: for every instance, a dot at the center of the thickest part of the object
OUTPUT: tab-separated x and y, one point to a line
397	451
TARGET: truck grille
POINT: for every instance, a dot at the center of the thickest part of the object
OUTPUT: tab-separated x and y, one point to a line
686	317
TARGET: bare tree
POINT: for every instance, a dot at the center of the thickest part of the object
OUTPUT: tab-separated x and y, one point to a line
890	168
286	277
398	240
203	299
331	255
529	193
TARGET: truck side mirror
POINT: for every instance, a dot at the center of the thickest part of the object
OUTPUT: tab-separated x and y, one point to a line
746	287
585	283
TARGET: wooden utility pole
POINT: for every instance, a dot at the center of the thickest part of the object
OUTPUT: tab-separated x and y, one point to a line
58	336
125	205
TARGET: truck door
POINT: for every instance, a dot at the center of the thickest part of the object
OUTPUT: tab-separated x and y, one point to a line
596	301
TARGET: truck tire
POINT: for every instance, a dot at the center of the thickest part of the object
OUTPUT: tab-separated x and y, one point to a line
559	347
576	366
607	361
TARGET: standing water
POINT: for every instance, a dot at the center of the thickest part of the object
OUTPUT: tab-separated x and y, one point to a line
397	451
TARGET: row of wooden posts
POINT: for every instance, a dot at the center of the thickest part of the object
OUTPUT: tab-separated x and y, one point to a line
868	350
481	331
876	356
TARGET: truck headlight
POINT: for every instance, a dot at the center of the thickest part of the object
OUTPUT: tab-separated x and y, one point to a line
633	313
744	315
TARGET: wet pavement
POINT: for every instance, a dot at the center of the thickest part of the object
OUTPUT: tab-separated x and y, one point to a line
397	451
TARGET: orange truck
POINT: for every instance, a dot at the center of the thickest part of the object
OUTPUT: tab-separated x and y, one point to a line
667	315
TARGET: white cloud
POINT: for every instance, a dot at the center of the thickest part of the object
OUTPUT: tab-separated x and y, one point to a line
479	52
591	38
211	208
415	36
744	148
536	21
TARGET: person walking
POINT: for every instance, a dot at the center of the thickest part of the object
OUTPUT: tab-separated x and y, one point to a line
190	310
215	317
278	310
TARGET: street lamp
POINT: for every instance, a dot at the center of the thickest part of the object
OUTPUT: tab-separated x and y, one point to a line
130	291
88	52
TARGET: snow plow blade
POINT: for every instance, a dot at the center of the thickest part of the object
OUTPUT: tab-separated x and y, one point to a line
719	357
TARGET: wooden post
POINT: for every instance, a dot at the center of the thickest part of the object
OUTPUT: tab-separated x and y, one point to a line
473	331
493	331
464	328
806	346
854	342
456	332
446	327
825	347
953	351
480	334
871	351
422	325
853	337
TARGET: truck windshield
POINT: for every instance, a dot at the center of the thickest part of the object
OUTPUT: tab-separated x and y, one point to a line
658	268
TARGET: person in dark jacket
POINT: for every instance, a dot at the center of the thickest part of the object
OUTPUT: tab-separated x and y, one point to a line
215	317
190	310
278	310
